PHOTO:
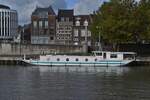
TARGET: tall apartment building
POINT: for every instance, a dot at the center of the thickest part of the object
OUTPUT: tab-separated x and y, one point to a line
8	23
80	32
43	26
64	26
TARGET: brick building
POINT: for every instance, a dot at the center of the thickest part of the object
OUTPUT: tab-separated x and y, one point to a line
43	26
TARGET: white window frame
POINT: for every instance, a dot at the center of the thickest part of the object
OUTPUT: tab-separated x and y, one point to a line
35	24
46	24
40	24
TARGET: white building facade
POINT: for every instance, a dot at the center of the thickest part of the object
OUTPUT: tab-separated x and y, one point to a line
8	23
81	33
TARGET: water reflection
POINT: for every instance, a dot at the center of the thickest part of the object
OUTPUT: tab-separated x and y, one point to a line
90	70
74	83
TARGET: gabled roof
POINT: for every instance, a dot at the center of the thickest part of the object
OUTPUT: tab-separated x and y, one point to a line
65	13
48	9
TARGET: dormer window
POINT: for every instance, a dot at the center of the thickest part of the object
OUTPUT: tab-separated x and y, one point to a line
77	23
62	19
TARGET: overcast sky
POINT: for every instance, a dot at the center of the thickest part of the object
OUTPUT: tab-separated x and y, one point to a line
26	7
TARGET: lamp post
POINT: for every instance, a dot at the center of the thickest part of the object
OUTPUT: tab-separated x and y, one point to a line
99	39
20	40
86	35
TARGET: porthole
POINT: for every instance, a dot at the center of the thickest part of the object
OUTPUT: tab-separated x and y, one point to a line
96	59
86	59
77	59
67	59
58	59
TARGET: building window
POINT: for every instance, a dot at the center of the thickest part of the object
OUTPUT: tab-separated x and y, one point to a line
67	19
43	14
52	38
47	41
77	23
89	43
89	33
40	24
46	24
67	59
76	39
35	24
62	19
76	33
83	33
44	31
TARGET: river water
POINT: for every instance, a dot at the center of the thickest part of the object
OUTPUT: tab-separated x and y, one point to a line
74	83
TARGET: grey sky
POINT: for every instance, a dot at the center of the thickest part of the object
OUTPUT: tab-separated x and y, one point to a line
26	7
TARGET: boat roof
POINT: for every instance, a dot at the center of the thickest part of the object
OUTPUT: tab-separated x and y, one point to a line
114	52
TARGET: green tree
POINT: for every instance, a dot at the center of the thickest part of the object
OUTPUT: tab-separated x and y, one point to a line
144	13
122	21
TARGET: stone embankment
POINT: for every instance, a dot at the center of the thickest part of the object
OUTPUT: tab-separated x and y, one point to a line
30	49
141	61
12	53
11	60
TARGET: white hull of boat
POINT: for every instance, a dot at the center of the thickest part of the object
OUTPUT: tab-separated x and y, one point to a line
100	58
107	63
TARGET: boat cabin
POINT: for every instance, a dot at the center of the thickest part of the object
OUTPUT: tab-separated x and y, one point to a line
115	55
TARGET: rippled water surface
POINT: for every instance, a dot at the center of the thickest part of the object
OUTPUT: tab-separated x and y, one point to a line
74	83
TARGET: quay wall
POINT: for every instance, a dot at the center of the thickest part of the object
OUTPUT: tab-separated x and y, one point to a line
29	49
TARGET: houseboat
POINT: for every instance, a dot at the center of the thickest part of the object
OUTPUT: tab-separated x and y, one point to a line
98	58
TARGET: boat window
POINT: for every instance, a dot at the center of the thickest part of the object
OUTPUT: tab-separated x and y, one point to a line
128	56
86	59
67	59
96	59
77	59
58	59
113	56
99	54
104	56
